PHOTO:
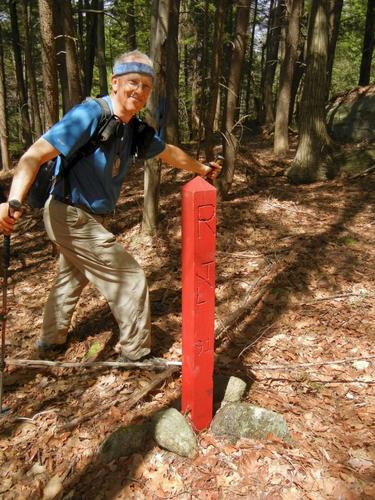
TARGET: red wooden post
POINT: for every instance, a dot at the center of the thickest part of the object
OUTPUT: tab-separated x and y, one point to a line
198	299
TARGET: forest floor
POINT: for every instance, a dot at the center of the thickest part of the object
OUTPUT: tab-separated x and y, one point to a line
295	269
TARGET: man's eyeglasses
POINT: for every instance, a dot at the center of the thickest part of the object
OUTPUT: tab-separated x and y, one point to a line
134	84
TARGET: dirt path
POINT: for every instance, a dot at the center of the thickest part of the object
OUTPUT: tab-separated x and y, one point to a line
295	267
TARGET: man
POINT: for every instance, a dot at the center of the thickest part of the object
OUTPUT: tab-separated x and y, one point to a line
88	252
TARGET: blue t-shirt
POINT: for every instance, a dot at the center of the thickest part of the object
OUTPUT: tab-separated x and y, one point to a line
96	180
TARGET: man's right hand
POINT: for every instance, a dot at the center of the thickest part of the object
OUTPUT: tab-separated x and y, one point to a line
8	217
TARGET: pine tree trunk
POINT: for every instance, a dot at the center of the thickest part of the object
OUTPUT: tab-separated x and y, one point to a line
172	82
31	71
234	83
368	45
91	43
58	16
103	84
281	141
271	63
251	58
72	65
21	87
216	66
334	16
202	69
159	26
314	141
132	32
4	145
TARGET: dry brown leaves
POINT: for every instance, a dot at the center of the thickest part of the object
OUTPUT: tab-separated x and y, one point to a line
310	251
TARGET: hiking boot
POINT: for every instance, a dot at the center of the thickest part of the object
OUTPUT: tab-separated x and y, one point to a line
148	359
48	351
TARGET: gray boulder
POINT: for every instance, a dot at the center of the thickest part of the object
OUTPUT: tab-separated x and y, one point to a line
173	432
351	117
242	420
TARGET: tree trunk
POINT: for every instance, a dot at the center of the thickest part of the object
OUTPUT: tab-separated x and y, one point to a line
91	42
314	141
61	54
234	83
4	145
81	45
21	87
72	66
334	16
31	71
281	142
156	107
202	69
172	82
132	32
251	58
103	84
368	45
271	63
216	66
50	85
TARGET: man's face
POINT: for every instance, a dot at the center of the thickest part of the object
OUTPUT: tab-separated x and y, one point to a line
132	91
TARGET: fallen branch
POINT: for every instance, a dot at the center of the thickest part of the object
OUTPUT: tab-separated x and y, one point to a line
132	401
306	365
249	303
362	174
146	365
339	296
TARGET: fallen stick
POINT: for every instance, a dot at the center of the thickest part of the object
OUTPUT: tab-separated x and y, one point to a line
146	365
306	365
132	401
362	174
334	297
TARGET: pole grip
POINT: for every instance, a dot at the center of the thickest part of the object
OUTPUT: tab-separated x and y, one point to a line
6	253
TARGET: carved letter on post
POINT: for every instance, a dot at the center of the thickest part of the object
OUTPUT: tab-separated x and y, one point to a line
198	299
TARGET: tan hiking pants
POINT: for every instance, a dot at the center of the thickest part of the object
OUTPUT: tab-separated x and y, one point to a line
90	253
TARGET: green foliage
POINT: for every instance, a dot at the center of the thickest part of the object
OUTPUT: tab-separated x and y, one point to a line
349	46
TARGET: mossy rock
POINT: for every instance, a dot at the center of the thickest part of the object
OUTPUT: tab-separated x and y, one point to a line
242	420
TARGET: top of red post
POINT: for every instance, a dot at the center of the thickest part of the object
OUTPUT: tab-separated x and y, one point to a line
198	184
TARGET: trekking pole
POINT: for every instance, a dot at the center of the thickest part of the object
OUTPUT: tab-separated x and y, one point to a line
4	312
13	205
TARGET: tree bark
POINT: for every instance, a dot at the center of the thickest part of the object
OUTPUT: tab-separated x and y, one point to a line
72	66
50	85
368	45
334	16
271	63
103	83
234	83
58	16
216	66
91	44
281	141
4	144
156	110
31	71
172	82
251	58
21	86
314	141
132	32
202	69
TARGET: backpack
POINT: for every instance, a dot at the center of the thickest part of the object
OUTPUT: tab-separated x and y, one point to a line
108	126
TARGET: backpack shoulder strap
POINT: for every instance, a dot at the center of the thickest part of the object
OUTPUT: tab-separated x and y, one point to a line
104	130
